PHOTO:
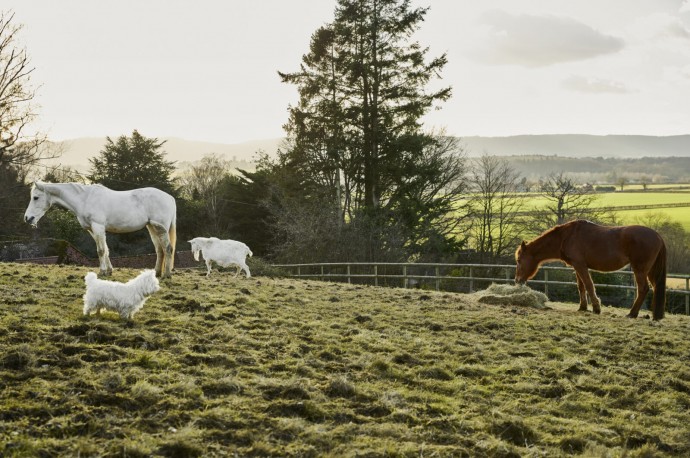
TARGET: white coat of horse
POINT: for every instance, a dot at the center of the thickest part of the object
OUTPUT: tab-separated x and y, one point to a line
100	210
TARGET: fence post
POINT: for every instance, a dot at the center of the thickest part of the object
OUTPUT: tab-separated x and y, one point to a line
546	282
687	297
299	270
507	274
348	274
471	281
376	275
438	280
404	275
321	272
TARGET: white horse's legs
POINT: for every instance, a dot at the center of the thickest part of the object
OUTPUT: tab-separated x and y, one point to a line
246	269
240	268
159	249
98	233
164	250
208	267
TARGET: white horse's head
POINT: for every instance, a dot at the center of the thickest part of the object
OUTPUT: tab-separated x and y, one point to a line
196	247
38	205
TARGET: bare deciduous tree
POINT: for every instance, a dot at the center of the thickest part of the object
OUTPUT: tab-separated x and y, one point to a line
203	181
20	151
621	182
496	207
17	108
676	238
566	201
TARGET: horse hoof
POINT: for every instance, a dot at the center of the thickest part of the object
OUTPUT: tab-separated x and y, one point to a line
630	315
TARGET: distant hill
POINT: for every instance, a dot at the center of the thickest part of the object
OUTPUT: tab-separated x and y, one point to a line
621	146
79	150
76	152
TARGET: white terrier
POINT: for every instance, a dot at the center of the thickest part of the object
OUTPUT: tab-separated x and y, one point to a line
123	298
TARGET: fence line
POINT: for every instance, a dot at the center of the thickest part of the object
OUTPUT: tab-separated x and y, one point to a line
406	278
614	208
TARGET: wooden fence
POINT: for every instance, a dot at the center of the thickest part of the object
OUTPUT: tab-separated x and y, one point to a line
439	276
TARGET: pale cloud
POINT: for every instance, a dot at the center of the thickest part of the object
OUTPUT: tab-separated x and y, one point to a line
595	85
659	26
540	40
685	7
677	75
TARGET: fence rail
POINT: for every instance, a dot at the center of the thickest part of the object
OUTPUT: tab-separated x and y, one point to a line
470	274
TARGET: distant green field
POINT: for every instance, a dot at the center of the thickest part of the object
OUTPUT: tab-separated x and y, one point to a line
623	199
617	199
658	186
626	199
681	215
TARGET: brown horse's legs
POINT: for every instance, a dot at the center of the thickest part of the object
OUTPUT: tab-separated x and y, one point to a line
583	273
583	293
642	290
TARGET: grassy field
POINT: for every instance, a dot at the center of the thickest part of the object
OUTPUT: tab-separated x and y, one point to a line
280	367
679	215
624	199
655	186
621	199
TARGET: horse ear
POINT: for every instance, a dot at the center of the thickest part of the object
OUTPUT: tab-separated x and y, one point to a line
39	185
523	244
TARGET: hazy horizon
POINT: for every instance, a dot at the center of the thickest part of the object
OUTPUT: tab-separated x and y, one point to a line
76	152
208	72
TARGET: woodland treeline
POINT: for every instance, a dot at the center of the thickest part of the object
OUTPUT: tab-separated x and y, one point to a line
605	170
359	177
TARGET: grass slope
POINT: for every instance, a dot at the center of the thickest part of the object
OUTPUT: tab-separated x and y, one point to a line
278	367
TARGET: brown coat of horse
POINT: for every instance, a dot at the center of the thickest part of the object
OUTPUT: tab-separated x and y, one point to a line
585	245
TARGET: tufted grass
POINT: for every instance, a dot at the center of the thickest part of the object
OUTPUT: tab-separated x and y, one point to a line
278	367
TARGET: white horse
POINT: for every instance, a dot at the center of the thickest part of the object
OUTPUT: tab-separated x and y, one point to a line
100	210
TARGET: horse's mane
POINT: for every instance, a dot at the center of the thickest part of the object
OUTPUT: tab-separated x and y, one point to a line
78	188
549	232
547	237
556	230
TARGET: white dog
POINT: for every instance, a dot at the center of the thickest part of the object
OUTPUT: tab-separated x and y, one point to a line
123	298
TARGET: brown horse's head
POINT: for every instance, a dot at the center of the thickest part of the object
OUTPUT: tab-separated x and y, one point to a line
526	265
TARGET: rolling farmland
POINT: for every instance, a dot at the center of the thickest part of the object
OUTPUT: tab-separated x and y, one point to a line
633	205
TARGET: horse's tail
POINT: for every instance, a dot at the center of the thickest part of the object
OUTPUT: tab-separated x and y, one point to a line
657	276
172	235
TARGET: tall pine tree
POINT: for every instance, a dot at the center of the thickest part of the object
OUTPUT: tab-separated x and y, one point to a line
356	130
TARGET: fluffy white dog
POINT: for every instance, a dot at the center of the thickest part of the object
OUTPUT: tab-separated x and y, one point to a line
123	298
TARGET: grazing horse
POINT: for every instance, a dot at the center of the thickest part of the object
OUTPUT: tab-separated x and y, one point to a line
100	210
585	245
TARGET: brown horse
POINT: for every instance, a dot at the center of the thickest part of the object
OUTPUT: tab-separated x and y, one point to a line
585	245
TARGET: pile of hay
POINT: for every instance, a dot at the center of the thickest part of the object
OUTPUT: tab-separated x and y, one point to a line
512	295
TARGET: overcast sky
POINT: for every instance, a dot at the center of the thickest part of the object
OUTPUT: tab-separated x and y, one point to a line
206	69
